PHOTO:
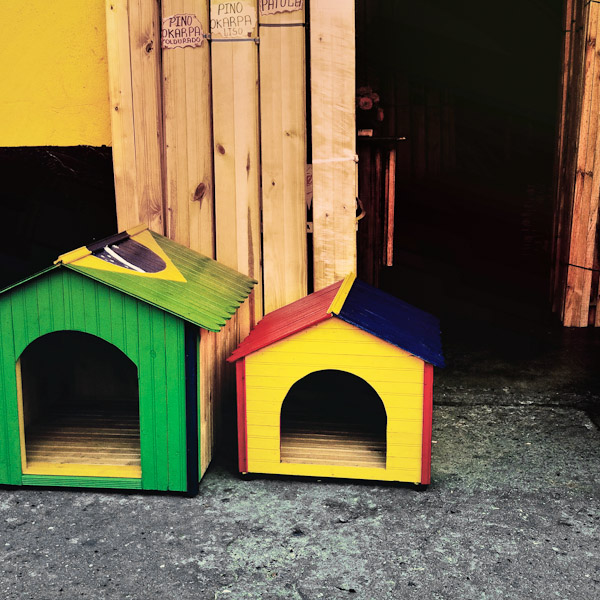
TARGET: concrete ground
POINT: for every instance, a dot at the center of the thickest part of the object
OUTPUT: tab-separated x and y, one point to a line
513	510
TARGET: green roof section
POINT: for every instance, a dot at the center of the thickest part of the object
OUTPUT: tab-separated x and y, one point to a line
162	273
209	296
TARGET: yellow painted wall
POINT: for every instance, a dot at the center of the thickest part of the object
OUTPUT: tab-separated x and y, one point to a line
54	83
396	376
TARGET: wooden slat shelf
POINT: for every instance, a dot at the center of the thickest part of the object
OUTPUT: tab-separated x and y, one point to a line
329	444
85	437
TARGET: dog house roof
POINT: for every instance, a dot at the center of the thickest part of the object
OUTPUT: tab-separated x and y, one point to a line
160	272
359	304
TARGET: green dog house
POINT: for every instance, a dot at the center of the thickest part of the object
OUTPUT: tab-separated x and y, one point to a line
100	359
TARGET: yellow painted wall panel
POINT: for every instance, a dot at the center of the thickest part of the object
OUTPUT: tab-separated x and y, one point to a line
262	431
396	376
54	84
411	474
263	418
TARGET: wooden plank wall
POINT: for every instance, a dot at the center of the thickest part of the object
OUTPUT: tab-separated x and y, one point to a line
283	156
133	32
332	41
237	158
576	264
189	191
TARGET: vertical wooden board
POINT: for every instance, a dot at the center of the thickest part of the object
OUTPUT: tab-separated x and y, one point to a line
175	400
188	136
10	464
283	157
237	160
31	311
206	397
585	199
332	36
148	446
144	34
159	381
116	321
90	305
20	335
44	314
131	335
121	103
56	292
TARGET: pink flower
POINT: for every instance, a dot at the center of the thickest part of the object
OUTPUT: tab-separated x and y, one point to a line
365	103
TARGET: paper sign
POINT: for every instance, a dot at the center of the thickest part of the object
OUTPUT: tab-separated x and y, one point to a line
309	186
180	31
232	19
270	7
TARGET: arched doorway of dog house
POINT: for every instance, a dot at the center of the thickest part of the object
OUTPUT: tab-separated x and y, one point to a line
78	407
333	417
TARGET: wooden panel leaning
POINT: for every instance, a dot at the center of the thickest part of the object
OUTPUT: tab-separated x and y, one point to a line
188	135
587	186
333	139
283	149
236	150
133	40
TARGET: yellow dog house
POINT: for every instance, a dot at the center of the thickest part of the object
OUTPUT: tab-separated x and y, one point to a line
339	384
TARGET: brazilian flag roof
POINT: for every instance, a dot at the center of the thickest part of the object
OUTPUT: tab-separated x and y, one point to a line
163	273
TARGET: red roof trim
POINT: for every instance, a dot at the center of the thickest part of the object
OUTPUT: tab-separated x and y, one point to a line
288	320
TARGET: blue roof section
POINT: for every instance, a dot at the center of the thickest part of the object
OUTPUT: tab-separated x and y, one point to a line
394	321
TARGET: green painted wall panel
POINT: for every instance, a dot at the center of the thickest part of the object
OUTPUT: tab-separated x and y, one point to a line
121	483
44	307
153	340
159	376
10	458
176	428
57	300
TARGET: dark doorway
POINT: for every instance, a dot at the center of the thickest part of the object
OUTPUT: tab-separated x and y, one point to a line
80	402
333	418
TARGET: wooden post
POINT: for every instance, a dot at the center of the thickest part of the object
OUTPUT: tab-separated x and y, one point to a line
333	139
237	156
587	186
283	149
133	39
188	136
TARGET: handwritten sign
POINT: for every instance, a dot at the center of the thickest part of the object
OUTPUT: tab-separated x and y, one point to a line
232	19
180	31
270	7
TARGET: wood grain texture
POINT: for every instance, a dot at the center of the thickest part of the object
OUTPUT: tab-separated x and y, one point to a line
283	158
395	376
332	48
237	166
122	119
188	137
145	28
587	185
133	39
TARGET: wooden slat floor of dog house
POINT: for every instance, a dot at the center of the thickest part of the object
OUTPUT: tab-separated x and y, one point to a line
92	437
332	444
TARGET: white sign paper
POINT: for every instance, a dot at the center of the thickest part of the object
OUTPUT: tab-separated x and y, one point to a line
232	19
270	7
181	31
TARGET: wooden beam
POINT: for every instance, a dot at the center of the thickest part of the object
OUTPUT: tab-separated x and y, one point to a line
144	27
121	102
283	157
333	139
188	135
587	185
237	153
133	39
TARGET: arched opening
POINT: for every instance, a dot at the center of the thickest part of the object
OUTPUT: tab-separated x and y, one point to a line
79	403
333	418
